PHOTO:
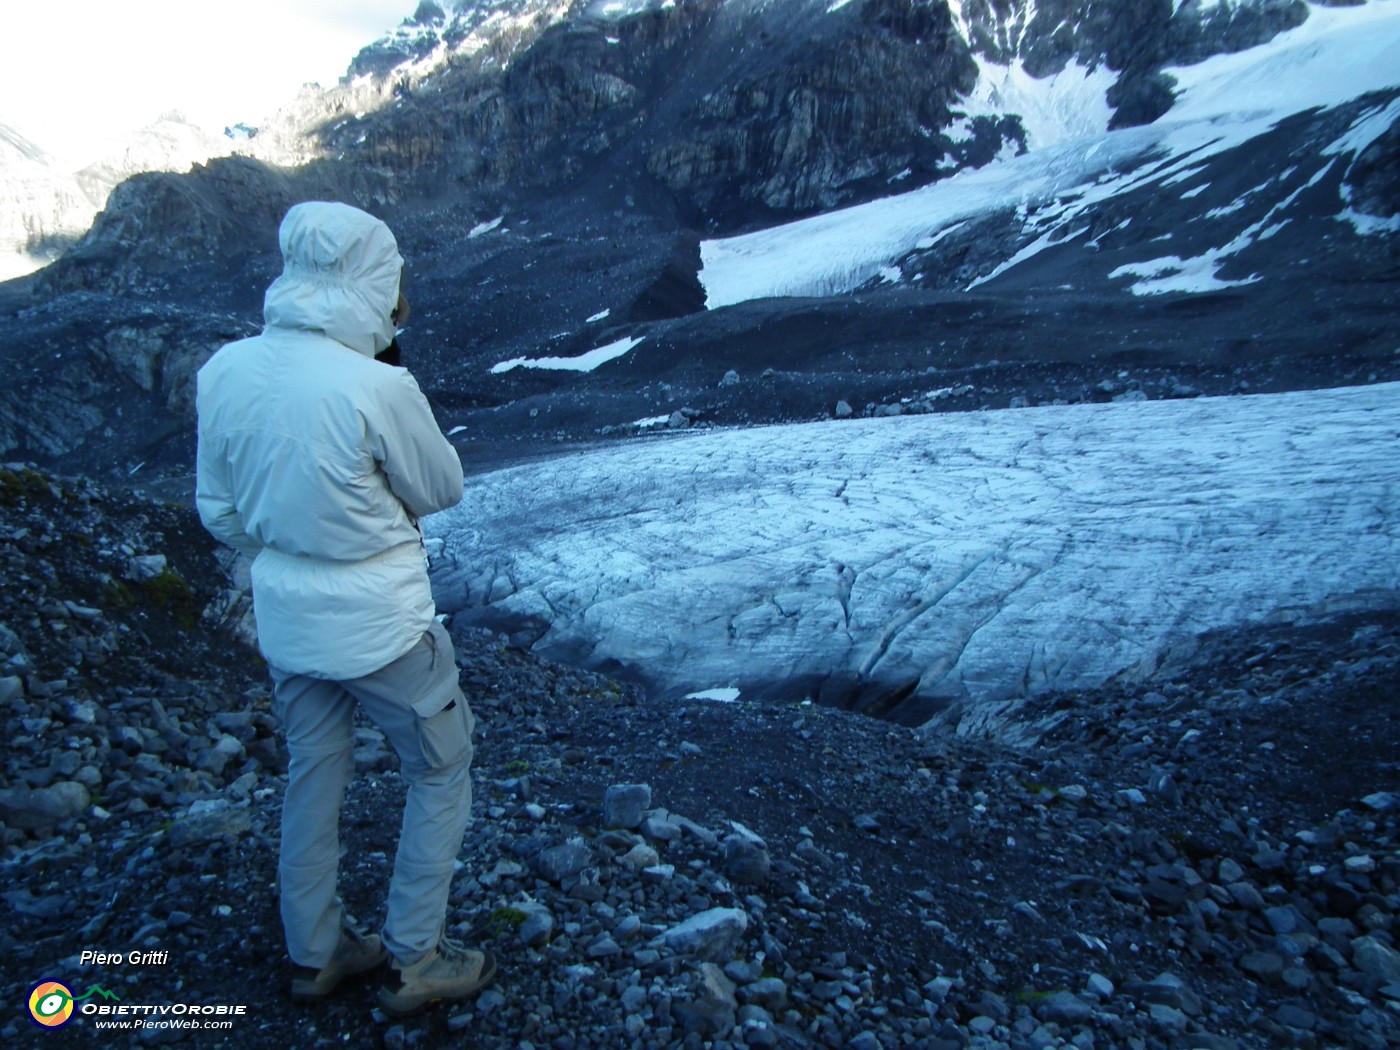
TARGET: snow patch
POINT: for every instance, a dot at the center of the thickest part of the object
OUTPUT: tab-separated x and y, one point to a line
616	10
1228	209
1370	126
1183	176
1369	225
1070	105
484	227
1172	274
722	696
583	363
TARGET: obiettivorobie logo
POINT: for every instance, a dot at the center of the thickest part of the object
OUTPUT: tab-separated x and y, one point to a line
51	1002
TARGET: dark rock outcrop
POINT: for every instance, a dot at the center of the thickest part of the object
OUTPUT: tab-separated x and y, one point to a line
1373	181
812	122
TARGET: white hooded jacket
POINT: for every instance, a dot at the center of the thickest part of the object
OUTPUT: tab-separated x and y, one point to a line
319	460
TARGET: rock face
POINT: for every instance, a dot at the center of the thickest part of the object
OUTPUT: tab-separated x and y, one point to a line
121	387
741	112
1372	184
808	120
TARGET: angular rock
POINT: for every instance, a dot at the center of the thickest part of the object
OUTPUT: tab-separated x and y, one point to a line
1169	1017
704	1017
712	936
641	857
1382	801
1246	896
538	926
209	821
1295	1016
1100	986
659	827
625	805
40	810
1375	959
1265	966
1065	1008
603	947
145	567
563	861
716	986
1285	919
1167	990
770	993
746	860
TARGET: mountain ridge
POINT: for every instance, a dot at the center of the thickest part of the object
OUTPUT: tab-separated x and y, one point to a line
551	170
51	205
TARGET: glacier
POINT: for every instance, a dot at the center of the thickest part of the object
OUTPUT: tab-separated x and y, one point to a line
935	568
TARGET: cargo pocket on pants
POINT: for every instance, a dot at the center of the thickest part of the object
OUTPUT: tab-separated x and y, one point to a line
444	728
445	722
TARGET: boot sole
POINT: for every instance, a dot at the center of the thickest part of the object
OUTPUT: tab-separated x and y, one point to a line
399	1005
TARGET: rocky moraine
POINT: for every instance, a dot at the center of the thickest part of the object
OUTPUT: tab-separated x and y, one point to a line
1206	859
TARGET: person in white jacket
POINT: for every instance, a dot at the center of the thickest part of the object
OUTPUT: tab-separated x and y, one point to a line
317	460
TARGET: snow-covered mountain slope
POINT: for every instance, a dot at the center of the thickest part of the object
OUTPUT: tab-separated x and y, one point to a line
1075	166
435	35
45	207
907	566
1242	240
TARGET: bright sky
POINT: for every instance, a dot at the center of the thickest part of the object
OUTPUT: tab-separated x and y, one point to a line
73	73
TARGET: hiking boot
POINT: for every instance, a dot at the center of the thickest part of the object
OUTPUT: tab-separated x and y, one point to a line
356	953
449	971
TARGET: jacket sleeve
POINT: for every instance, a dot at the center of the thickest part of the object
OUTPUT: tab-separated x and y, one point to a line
214	499
423	468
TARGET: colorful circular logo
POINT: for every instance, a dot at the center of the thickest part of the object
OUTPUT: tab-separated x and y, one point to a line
51	1004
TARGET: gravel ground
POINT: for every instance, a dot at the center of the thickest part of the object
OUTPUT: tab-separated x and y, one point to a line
1208	859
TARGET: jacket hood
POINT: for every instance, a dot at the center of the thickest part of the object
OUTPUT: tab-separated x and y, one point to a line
340	276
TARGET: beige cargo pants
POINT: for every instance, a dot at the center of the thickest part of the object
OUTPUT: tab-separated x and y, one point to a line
418	705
